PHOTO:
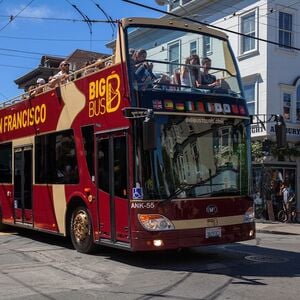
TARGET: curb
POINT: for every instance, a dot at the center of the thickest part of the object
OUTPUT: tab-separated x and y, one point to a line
276	232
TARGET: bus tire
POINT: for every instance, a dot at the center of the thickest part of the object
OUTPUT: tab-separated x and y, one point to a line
81	230
2	227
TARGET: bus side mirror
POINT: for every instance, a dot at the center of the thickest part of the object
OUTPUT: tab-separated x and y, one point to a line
280	130
149	134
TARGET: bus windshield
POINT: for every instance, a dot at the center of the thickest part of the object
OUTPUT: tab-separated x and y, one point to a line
169	59
196	157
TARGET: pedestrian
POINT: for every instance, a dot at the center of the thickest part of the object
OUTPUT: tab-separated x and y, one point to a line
285	197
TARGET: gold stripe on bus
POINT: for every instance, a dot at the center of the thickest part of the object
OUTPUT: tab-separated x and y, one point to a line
60	207
74	102
208	222
23	141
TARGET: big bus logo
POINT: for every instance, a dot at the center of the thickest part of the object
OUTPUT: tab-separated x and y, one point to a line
104	95
211	209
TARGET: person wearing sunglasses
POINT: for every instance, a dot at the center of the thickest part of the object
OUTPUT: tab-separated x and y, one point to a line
63	76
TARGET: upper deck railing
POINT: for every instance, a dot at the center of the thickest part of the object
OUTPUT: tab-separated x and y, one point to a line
92	68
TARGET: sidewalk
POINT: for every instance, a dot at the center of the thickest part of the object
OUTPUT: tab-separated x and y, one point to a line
265	226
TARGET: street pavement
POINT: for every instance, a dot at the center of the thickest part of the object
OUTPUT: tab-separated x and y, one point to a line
277	227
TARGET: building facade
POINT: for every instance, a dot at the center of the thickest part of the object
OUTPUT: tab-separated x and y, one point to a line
265	38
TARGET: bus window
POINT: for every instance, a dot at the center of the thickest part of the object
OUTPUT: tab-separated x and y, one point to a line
55	159
103	165
117	158
120	169
5	163
88	143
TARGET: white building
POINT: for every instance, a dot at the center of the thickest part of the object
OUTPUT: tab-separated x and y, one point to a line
270	71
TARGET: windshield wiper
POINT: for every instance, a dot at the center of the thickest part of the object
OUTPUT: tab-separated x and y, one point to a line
232	191
184	187
181	188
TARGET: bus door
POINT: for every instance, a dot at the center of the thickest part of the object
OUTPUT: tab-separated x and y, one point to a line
23	185
112	182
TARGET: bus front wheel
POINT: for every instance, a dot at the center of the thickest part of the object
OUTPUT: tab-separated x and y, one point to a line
82	230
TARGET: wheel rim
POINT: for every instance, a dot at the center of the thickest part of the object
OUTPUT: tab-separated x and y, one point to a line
81	226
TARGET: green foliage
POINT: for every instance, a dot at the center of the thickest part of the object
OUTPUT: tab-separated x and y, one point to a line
256	151
280	154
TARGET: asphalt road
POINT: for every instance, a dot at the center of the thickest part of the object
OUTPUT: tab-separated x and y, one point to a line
40	266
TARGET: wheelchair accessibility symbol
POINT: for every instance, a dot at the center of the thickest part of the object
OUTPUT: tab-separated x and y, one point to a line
137	193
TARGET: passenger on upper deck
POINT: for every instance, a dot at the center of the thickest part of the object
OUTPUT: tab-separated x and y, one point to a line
88	69
37	89
191	75
142	69
63	76
208	79
30	92
40	82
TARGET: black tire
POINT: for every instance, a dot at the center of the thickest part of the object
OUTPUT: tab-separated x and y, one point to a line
282	216
2	227
81	230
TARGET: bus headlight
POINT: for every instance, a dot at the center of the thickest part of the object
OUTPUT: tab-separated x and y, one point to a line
249	215
153	222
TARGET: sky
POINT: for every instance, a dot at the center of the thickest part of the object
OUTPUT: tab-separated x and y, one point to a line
30	29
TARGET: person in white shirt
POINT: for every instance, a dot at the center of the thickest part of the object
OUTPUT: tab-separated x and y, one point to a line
63	76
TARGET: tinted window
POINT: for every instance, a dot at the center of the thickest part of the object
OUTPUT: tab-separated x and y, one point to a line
120	166
55	158
112	165
88	143
5	163
103	165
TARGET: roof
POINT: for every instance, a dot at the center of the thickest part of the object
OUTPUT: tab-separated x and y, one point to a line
30	78
79	57
49	66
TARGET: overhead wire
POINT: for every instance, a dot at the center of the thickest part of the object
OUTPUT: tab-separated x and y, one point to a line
28	52
48	39
86	18
18	67
19	15
232	8
62	19
210	25
19	56
108	18
13	17
258	17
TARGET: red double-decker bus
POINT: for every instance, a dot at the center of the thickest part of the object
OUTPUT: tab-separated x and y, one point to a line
131	154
